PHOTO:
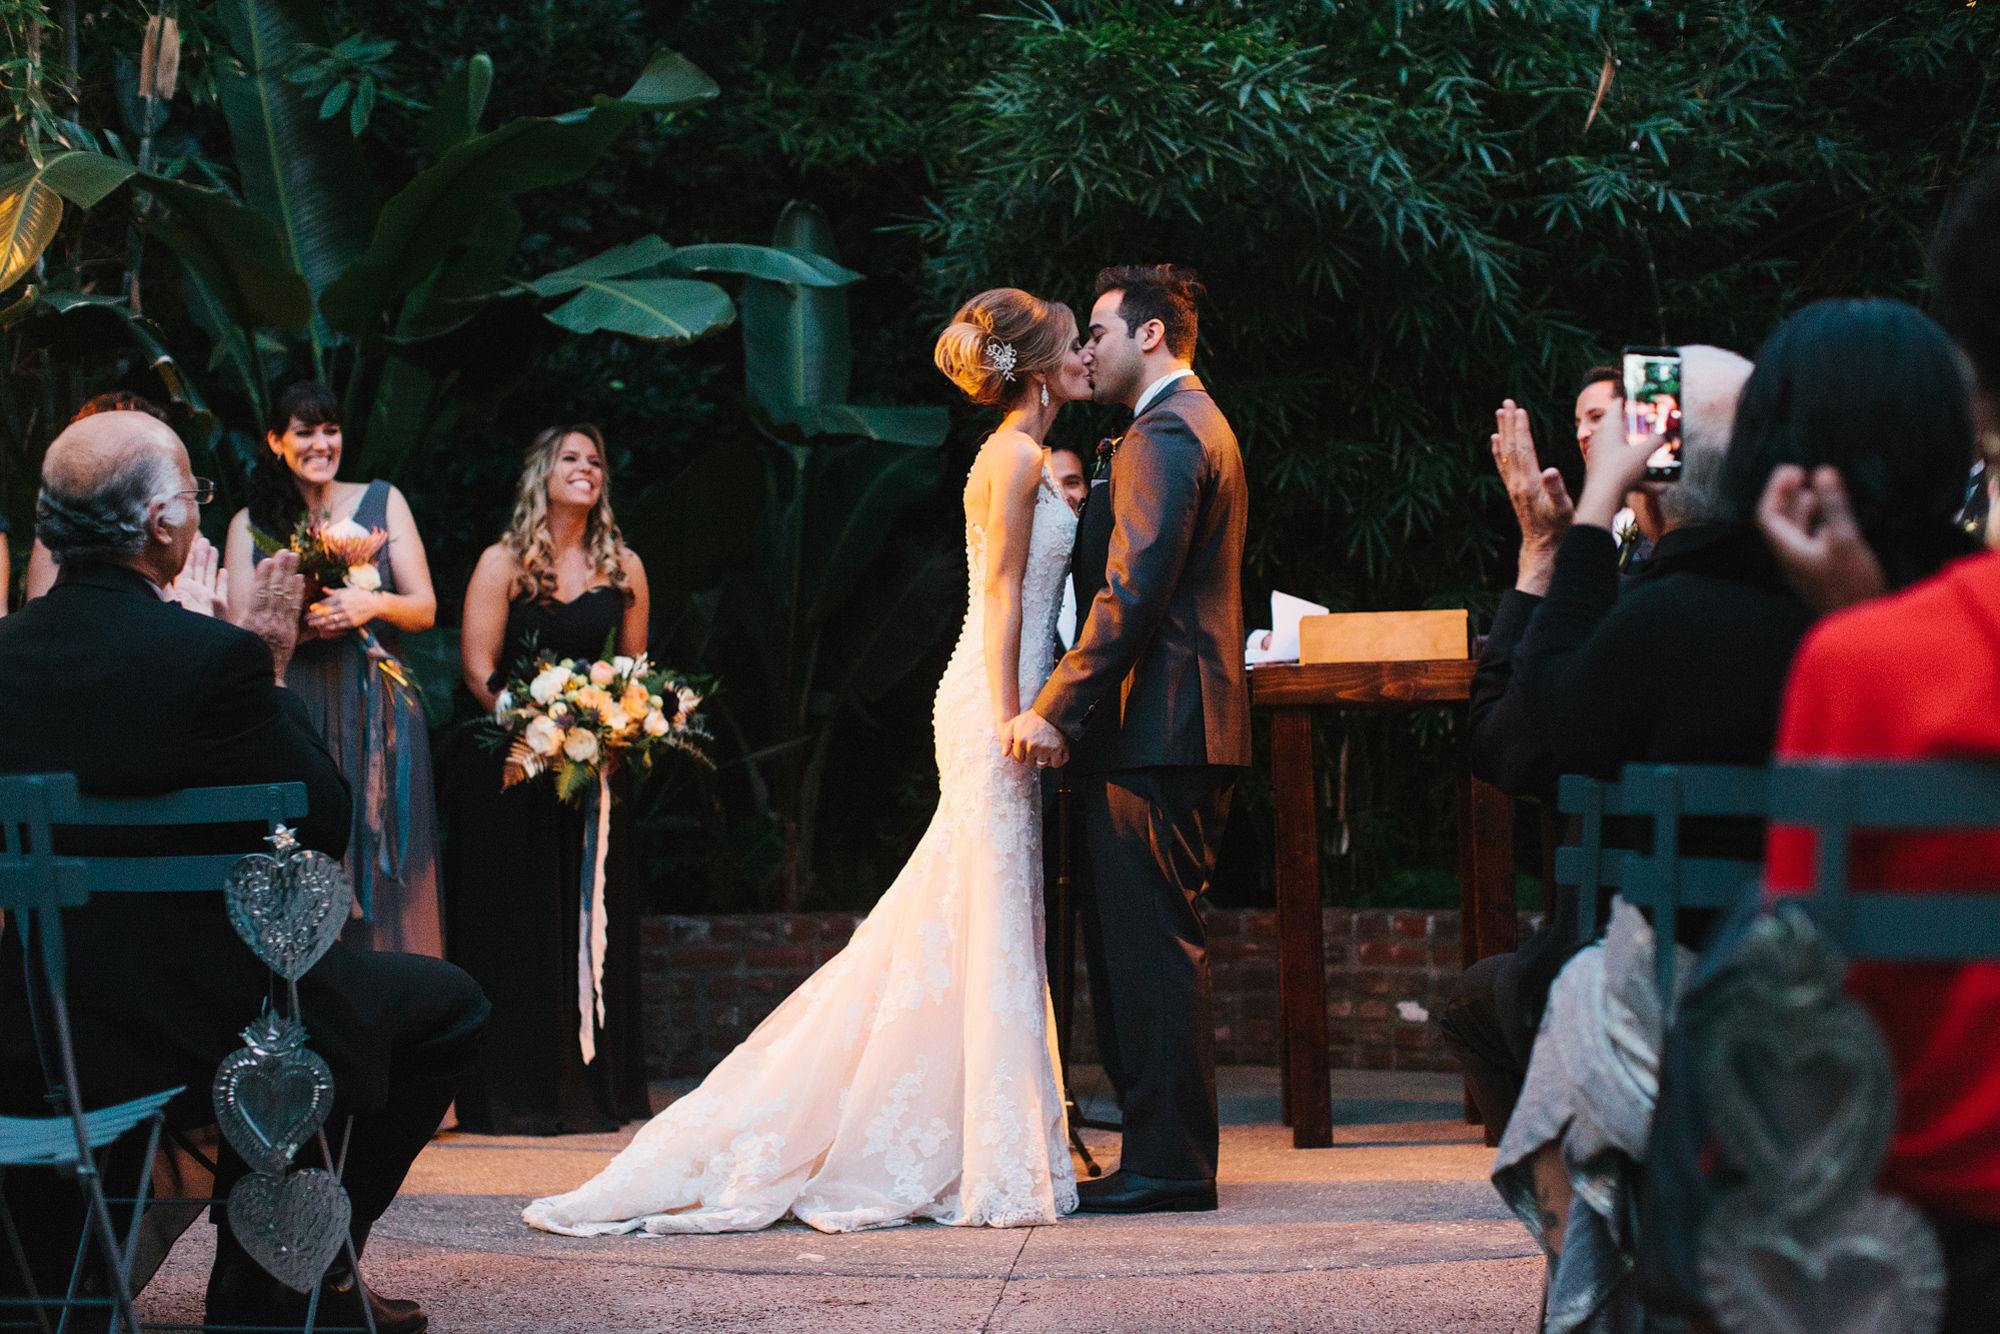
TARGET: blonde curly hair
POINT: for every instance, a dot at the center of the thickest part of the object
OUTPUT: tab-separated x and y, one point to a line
527	536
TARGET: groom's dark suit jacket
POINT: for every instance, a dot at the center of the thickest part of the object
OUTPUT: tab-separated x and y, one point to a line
1156	677
133	695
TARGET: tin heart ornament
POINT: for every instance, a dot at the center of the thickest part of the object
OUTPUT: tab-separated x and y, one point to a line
272	1095
289	908
293	1226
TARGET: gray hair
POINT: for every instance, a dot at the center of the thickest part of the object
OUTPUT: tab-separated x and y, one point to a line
1711	380
107	524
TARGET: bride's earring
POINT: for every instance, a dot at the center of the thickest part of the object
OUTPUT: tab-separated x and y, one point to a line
1045	393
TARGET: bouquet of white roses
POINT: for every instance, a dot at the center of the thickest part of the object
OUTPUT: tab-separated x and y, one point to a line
575	720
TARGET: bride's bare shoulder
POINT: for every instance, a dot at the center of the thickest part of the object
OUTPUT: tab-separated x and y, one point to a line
1010	456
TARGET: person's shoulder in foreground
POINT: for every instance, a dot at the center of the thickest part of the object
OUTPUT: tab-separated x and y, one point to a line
1911	673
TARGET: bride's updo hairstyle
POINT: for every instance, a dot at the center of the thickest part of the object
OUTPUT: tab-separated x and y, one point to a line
997	339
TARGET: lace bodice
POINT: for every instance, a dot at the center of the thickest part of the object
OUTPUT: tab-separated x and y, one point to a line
1051	535
915	1074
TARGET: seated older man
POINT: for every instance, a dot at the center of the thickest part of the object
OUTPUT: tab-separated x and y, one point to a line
134	694
1490	1023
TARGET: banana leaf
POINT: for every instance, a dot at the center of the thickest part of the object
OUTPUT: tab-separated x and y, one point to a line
31	203
795	343
236	250
305	174
663	310
419	225
454	117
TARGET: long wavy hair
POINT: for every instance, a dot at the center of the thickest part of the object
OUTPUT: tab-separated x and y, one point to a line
527	537
275	503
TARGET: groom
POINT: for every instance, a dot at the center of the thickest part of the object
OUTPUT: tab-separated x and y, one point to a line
1152	706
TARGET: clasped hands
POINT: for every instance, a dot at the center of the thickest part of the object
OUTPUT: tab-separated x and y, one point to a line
1028	736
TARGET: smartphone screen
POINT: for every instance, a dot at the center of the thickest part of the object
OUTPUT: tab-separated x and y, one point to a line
1653	407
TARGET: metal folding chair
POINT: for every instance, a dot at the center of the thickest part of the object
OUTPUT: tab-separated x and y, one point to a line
35	886
1837	799
1663	880
268	804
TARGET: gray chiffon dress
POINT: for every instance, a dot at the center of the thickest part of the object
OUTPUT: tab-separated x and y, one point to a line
377	734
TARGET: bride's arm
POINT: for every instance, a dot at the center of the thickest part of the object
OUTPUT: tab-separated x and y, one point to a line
1010	513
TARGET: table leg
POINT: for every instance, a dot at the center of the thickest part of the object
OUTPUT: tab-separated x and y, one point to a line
1485	888
1468	902
1301	934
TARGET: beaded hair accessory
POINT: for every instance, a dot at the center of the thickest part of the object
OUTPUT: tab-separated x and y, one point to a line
1000	358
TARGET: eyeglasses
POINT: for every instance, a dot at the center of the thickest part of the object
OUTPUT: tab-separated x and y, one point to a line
203	492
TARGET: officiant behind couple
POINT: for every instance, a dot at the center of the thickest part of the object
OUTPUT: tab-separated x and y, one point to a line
915	1074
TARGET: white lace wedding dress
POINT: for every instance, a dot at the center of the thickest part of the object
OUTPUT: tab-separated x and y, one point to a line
915	1075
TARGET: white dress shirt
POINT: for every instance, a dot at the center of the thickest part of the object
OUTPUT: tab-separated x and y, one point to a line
1157	388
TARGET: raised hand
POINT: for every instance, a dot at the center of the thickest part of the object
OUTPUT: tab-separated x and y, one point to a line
1615	470
1541	502
202	586
1810	528
277	591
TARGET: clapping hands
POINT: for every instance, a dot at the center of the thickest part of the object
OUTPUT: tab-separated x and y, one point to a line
1028	736
1541	502
202	586
274	608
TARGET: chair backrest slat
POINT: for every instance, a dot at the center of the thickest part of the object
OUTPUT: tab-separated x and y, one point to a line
1662	880
1838	798
260	802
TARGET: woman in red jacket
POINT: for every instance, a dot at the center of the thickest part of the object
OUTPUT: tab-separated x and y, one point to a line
1914	675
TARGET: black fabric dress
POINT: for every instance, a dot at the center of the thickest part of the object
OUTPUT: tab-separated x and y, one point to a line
513	877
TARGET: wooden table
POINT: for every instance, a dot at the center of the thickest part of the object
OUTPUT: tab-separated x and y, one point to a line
1485	854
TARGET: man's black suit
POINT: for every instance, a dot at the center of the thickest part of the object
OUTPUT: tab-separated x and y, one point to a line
133	695
1154	702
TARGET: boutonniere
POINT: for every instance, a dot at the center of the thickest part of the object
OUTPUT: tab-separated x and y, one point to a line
1107	449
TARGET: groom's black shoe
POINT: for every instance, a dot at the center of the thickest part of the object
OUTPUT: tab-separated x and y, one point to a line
1125	1192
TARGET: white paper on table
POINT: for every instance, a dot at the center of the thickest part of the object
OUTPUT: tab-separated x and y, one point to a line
1281	642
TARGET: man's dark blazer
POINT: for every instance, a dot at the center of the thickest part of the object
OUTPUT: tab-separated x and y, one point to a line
1156	676
133	695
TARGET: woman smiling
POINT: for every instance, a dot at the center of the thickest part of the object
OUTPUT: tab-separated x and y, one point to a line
344	670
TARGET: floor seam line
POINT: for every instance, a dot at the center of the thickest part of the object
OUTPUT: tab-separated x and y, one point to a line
1001	1295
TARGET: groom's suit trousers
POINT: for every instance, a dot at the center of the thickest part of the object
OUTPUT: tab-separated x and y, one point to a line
1153	835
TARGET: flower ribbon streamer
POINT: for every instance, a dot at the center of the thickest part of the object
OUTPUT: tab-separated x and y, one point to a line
592	922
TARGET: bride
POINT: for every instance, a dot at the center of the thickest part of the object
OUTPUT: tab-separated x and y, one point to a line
914	1076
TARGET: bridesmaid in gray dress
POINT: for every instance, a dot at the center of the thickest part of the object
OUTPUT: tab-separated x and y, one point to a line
374	727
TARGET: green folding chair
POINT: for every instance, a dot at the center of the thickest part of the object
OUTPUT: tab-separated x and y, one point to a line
1837	798
35	886
1663	880
78	877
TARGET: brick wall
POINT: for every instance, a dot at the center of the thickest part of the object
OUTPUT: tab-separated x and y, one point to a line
710	980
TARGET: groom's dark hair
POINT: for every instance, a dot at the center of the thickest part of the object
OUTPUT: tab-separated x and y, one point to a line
1156	292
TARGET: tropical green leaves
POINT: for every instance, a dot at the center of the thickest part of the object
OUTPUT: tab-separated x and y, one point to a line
236	252
474	178
619	290
302	172
31	203
454	118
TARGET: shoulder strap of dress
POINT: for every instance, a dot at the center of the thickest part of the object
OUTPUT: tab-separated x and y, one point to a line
373	511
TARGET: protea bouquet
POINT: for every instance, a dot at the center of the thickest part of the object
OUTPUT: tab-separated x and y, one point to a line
576	720
339	555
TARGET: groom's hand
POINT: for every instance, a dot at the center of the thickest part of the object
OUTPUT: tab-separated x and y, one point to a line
1032	737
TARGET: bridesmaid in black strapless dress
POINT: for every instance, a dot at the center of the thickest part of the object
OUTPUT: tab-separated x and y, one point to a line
513	859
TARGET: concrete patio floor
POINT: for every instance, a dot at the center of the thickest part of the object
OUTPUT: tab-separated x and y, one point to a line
1395	1230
